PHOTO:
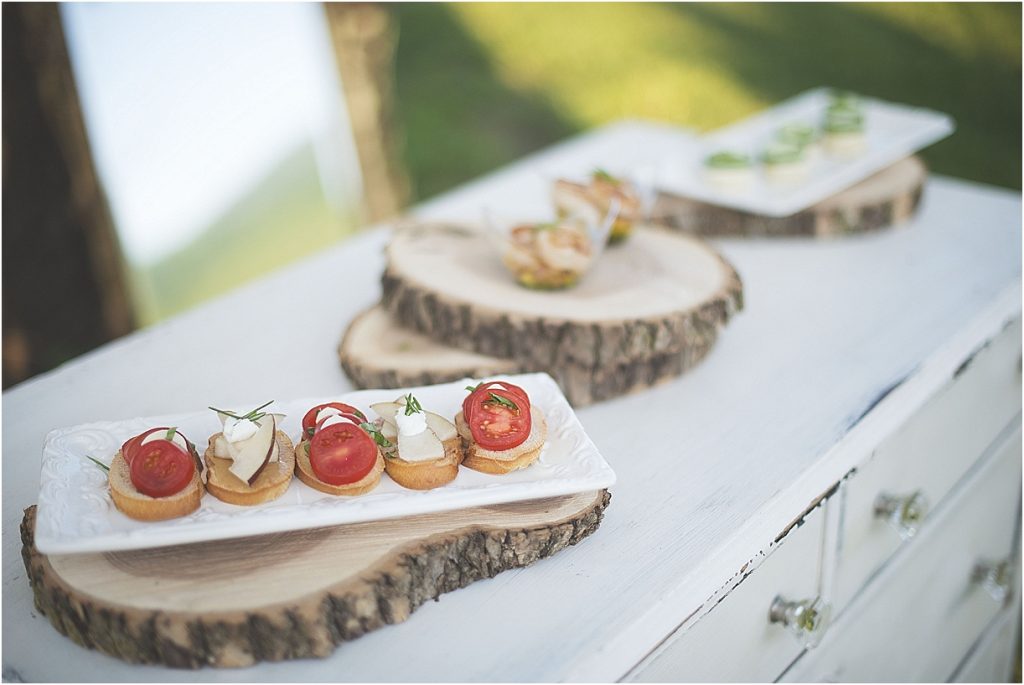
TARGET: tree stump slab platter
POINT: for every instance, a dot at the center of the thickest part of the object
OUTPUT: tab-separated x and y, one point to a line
884	199
209	604
659	293
375	352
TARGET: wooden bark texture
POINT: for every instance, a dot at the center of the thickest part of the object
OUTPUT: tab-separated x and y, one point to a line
889	197
294	595
660	293
377	353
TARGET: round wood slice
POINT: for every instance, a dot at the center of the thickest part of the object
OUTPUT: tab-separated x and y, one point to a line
661	292
378	353
889	197
289	595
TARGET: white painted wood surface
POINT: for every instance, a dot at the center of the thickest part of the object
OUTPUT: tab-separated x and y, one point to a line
991	659
735	642
711	467
919	617
930	454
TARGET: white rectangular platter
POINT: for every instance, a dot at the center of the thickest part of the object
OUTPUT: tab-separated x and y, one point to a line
892	132
75	512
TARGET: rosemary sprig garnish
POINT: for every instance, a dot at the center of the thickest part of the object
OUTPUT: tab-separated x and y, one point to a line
412	405
254	415
473	388
98	463
374	431
171	432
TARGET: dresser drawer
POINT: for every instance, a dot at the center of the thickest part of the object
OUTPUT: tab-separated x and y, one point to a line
925	458
991	658
735	641
919	617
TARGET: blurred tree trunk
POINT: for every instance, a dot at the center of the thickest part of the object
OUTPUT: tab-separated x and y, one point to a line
364	37
64	282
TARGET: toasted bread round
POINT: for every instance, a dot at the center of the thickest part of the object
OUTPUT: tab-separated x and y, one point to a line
426	475
269	485
504	461
136	505
304	472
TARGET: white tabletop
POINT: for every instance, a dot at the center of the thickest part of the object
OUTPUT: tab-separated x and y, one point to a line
711	466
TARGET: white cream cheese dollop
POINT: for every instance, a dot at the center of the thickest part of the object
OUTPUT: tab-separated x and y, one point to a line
411	424
237	430
331	419
325	412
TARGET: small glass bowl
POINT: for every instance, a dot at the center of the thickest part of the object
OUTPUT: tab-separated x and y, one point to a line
553	254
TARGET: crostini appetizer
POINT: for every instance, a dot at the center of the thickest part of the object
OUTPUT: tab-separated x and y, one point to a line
601	190
250	461
156	475
843	125
729	171
424	448
339	452
501	431
803	136
784	164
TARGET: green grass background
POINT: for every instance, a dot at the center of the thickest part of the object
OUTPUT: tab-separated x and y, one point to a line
479	85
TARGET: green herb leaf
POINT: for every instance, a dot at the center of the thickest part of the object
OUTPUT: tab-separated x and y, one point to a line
602	175
98	463
412	405
473	388
503	402
375	433
310	431
171	432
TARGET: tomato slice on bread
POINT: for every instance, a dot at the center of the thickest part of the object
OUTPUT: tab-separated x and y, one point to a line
161	468
132	444
342	453
498	415
309	420
350	418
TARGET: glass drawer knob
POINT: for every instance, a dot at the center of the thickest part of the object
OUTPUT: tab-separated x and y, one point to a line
905	513
994	577
806	619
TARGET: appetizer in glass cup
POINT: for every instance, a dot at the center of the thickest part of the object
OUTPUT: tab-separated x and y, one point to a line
553	254
635	199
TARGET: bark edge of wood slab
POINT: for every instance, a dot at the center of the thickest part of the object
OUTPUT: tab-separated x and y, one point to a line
888	197
446	282
387	591
413	359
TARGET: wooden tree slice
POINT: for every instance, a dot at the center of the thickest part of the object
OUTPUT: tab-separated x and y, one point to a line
659	293
889	197
289	595
377	353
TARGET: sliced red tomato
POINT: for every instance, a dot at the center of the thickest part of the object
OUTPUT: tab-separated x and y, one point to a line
351	418
512	392
161	468
342	453
309	420
498	424
131	444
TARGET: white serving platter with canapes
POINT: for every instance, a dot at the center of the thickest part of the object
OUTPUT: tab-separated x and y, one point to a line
891	132
75	513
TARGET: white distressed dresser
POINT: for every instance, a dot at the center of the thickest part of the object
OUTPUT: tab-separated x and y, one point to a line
842	471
